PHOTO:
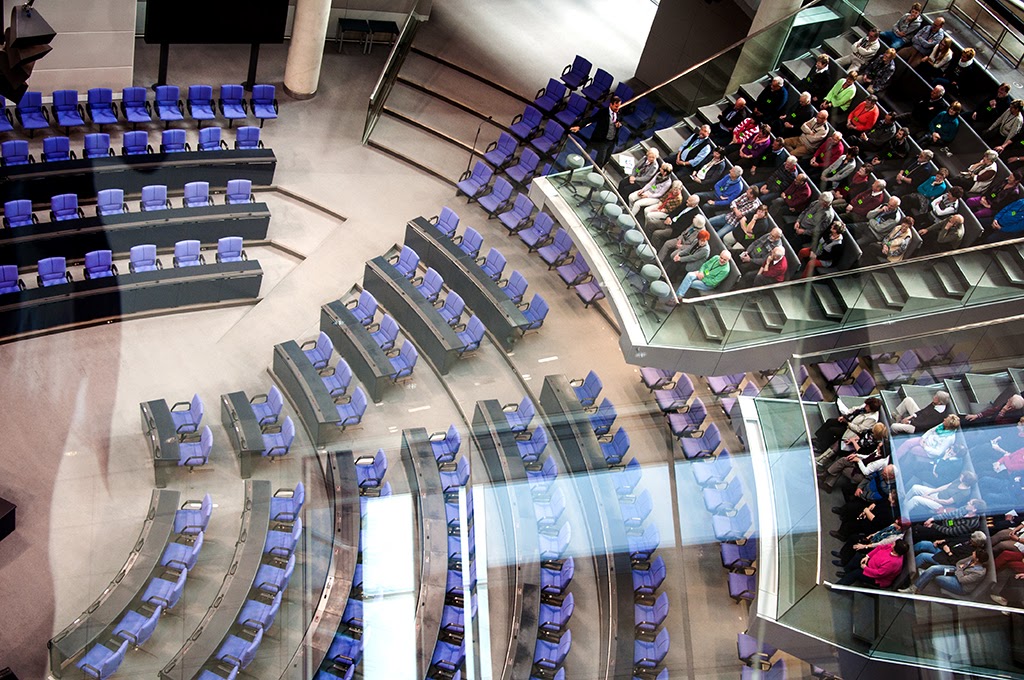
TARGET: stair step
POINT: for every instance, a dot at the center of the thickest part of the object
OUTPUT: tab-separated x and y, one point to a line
958	393
951	279
772	315
670	139
890	288
710	321
1010	264
709	112
830	304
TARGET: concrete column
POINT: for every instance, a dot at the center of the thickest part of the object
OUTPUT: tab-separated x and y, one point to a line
306	51
765	48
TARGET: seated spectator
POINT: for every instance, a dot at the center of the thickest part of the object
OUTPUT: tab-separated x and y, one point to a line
695	149
941	470
978	176
771	102
925	110
800	111
729	119
1008	539
878	137
997	414
923	42
948	552
709	276
1008	222
863	116
839	98
1011	460
955	73
893	246
753	148
904	29
928	500
747	128
652	192
743	205
850	422
1009	588
857	209
863	543
882	220
656	214
994	199
811	135
869	507
894	151
825	253
748	228
942	236
860	456
934	187
778	183
770	159
878	569
863	51
946	204
811	223
943	128
934	65
932	443
956	522
672	226
859	181
687	254
830	150
772	270
960	579
989	111
643	172
844	166
818	81
914	419
709	173
878	73
725	191
1000	133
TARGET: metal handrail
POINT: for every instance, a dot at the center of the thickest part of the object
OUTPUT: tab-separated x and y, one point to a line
997	43
388	74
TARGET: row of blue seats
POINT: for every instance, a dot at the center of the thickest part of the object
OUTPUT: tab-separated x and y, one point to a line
515	286
53	271
67	111
337	380
162	592
133	143
64	207
449	652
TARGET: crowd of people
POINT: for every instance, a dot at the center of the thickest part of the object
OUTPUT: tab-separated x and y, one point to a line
950	495
755	170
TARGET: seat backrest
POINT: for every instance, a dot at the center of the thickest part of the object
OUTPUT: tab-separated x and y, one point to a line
197	191
517	285
154	196
388	327
409	354
143	256
100	96
97	143
263	94
30	102
239	190
231	93
64	204
52	267
495	260
133	96
528	160
135	139
543	223
538	307
209	138
56	146
553	131
173	139
475	329
187	251
110	198
454	304
482	172
432	281
201	94
14	149
18	212
523	205
447	221
408	259
562	241
167	94
230	246
97	261
248	136
602	79
65	100
472	240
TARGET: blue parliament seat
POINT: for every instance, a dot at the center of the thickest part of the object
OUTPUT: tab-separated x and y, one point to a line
598	86
210	140
165	590
497	199
97	145
135	143
548	657
517	217
6	120
447	222
232	103
99	264
66	110
472	183
549	140
351	412
167	102
406	262
173	141
471	336
386	333
229	249
142	258
535	311
9	281
65	207
110	202
52	271
267	407
239	191
282	540
365	308
15	152
134	106
248	137
470	242
186	420
277	440
575	108
240	651
31	114
430	285
263	103
526	124
493	265
514	286
676	397
500	152
138	626
101	662
187	254
193	452
258	613
19	214
197	195
452	307
538	234
445	445
194	516
200	103
57	149
286	504
370	470
556	252
319	351
273	576
549	98
179	555
649	618
99	103
525	167
577	73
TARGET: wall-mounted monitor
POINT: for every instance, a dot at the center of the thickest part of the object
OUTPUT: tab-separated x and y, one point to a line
213	22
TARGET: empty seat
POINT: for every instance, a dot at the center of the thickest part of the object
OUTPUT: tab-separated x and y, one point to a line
229	249
498	198
337	379
134	106
615	448
197	195
267	407
714	471
259	614
187	415
472	335
553	547
263	103
657	378
370	470
641	115
642	545
173	141
6	120
688	423
603	417
65	207
99	264
732	527
574	272
541	478
154	197
499	153
210	140
548	142
862	386
549	656
386	333
549	511
110	202
549	98
636	511
446	445
186	254
626	479
742	586
66	109
194	516
282	541
703	446
52	271
646	582
838	371
200	103
273	576
532	448
556	252
143	259
100	105
183	555
57	149
15	152
168	104
100	661
240	651
470	242
232	105
430	285
575	108
31	114
403	363
535	311
164	592
248	137
19	213
238	191
526	124
494	264
598	86
588	389
722	501
406	262
447	659
649	618
277	441
97	145
514	286
135	143
319	351
351	412
725	384
344	653
647	656
364	309
452	308
453	479
538	233
736	556
554	618
472	183
193	453
518	215
555	579
520	415
523	170
137	627
9	281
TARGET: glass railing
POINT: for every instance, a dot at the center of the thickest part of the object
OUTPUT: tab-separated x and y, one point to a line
386	79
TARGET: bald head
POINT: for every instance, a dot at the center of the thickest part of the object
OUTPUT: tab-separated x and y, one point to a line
775	234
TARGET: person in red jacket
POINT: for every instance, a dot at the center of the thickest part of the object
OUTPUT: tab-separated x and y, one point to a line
794	198
878	568
866	201
864	115
1012	461
829	151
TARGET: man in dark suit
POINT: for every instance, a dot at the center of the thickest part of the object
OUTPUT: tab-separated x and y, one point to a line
606	128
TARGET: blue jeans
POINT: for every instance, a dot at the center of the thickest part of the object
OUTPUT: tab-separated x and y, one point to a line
924	554
892	40
720	223
937	574
691	281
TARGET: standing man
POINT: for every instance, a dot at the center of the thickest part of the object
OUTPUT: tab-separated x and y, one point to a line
606	128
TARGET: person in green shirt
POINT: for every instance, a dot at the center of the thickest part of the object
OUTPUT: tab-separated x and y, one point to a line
841	95
710	274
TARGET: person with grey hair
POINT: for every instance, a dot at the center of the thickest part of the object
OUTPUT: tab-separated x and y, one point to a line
811	223
772	101
772	270
948	551
914	171
881	221
798	114
1005	128
695	149
863	51
690	255
642	172
997	413
978	176
674	224
653	191
709	276
914	419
